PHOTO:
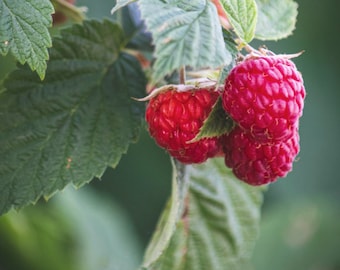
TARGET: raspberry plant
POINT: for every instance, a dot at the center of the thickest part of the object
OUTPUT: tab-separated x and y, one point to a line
69	111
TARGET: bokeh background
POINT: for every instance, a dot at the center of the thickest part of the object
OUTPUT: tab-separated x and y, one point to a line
109	222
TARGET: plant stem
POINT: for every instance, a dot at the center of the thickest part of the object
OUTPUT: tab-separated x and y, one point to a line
182	75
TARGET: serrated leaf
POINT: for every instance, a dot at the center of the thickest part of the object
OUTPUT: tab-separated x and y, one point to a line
76	122
220	221
277	19
120	4
24	31
185	33
217	124
242	15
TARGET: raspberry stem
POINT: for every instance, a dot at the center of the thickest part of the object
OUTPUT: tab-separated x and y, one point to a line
263	51
193	85
182	75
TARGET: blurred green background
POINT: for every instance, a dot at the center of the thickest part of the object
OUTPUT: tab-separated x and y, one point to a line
107	224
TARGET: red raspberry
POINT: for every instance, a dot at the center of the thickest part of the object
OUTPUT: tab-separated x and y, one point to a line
265	96
259	163
175	118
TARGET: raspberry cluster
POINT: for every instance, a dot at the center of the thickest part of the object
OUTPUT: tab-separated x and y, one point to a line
265	97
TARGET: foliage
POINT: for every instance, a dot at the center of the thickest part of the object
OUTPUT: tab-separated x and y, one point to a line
280	15
77	117
76	122
24	31
217	224
75	230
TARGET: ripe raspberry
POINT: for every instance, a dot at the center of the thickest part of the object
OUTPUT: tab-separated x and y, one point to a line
175	118
259	163
265	96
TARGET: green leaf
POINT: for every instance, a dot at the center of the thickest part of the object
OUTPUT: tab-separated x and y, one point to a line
242	15
219	222
171	214
231	47
230	43
120	4
76	122
277	19
24	31
104	234
186	33
77	229
130	19
217	124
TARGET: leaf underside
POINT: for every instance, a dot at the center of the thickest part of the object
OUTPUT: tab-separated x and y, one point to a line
79	120
242	15
186	33
219	222
277	19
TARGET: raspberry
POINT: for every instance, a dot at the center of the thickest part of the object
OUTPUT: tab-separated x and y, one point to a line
265	96
259	163
175	118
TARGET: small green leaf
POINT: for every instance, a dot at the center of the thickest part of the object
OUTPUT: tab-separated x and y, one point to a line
186	33
76	122
24	31
217	124
242	15
277	19
120	4
219	222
